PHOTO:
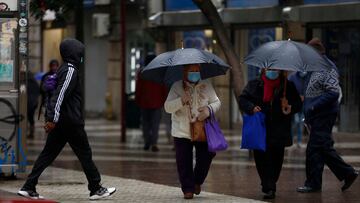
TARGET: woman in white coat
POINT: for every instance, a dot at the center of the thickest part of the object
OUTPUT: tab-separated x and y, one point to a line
189	103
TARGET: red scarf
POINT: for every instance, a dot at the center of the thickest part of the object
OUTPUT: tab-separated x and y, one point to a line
269	87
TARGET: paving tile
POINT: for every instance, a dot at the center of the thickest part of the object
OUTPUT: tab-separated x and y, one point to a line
66	185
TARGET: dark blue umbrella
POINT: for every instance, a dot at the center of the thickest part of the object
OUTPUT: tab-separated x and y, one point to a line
287	55
168	67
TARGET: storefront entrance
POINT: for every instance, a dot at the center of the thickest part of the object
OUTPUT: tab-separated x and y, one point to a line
342	43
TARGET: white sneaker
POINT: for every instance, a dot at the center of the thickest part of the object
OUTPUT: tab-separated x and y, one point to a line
102	192
31	194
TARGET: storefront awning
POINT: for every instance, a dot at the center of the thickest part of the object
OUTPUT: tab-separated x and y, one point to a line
314	13
229	16
319	13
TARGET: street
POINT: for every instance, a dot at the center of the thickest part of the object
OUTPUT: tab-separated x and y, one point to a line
232	176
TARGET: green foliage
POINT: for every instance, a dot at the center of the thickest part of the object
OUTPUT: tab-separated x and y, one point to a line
61	7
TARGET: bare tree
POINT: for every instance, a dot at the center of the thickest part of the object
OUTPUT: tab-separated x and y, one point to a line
210	12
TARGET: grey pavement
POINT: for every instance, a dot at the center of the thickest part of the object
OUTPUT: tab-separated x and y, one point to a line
145	176
64	185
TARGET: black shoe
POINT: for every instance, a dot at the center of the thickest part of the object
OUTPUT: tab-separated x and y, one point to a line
146	147
188	195
269	195
349	180
197	190
102	192
154	148
307	189
31	194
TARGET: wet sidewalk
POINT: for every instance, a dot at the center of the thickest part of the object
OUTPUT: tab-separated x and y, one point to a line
64	185
129	167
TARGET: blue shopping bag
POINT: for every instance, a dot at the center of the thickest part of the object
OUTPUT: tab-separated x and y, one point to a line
254	132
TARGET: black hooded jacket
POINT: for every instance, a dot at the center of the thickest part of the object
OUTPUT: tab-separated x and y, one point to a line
65	104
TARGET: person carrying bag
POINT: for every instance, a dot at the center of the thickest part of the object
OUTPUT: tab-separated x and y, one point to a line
269	102
188	103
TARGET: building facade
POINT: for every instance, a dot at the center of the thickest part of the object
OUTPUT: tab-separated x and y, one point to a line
161	25
251	23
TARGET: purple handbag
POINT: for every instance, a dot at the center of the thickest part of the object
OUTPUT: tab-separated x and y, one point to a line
215	138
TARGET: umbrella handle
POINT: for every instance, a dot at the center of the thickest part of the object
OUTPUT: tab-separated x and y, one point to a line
286	110
285	107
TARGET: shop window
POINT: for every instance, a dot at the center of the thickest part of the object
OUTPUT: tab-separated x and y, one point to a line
198	39
175	5
258	37
252	3
342	45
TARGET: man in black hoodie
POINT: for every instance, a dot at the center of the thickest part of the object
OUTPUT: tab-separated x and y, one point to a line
65	124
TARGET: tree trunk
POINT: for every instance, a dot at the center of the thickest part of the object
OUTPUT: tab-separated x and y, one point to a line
210	12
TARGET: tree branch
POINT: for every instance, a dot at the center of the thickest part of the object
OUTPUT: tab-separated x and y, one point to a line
212	15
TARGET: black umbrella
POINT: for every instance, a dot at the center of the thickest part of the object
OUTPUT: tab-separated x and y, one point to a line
168	67
287	55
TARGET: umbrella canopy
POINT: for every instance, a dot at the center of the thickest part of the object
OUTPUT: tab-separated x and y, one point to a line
168	67
287	55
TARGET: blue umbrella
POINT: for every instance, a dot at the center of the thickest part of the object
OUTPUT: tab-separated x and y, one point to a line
287	55
168	67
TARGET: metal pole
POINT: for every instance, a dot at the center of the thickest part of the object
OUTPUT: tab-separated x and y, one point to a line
123	68
23	67
79	35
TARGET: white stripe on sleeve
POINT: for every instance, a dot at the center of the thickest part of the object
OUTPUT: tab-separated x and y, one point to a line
62	92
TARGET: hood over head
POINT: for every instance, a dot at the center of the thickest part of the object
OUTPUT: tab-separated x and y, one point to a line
72	51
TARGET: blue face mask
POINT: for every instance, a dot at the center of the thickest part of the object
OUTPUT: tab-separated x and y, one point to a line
194	77
272	74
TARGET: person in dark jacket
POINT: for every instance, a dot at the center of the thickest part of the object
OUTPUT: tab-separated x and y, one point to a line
65	124
44	90
150	97
321	106
265	94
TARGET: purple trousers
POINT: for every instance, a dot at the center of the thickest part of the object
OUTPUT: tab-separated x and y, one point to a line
188	175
